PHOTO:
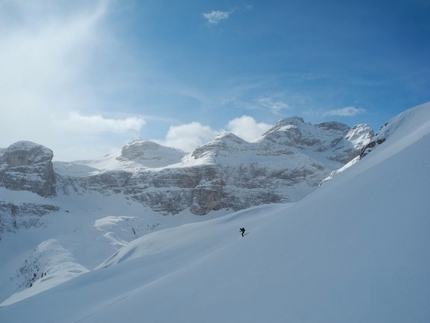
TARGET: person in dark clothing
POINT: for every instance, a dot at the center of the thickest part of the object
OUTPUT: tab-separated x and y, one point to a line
243	231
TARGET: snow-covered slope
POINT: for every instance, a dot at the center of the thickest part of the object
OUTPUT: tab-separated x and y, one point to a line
86	228
401	128
93	208
355	250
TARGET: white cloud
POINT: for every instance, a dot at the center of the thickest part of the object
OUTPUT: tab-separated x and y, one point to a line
214	17
189	136
345	112
247	128
95	124
275	106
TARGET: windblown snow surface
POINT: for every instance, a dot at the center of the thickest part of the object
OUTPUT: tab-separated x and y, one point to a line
355	250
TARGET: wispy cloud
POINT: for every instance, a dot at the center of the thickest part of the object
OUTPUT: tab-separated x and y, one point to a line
247	128
94	124
345	112
215	16
249	6
276	106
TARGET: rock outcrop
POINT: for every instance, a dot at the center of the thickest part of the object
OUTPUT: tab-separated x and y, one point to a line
26	166
283	165
15	216
150	154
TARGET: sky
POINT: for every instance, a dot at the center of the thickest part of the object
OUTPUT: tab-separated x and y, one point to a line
84	78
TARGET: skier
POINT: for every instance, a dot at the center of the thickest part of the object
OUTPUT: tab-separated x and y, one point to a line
243	231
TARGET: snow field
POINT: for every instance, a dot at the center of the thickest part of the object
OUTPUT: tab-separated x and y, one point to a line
355	250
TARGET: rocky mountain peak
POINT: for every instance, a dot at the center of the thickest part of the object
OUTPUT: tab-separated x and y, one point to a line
293	132
284	124
225	138
359	135
138	148
338	141
26	158
24	153
227	142
334	126
150	154
294	120
284	164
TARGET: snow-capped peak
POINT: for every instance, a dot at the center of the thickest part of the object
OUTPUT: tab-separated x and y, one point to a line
26	153
150	154
284	124
359	135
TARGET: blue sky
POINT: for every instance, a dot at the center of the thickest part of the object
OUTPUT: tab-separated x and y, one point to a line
84	78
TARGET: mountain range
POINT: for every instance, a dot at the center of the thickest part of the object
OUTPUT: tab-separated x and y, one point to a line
283	165
118	238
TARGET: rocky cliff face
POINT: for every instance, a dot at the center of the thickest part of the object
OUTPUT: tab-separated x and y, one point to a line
334	140
15	216
26	166
378	139
284	164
